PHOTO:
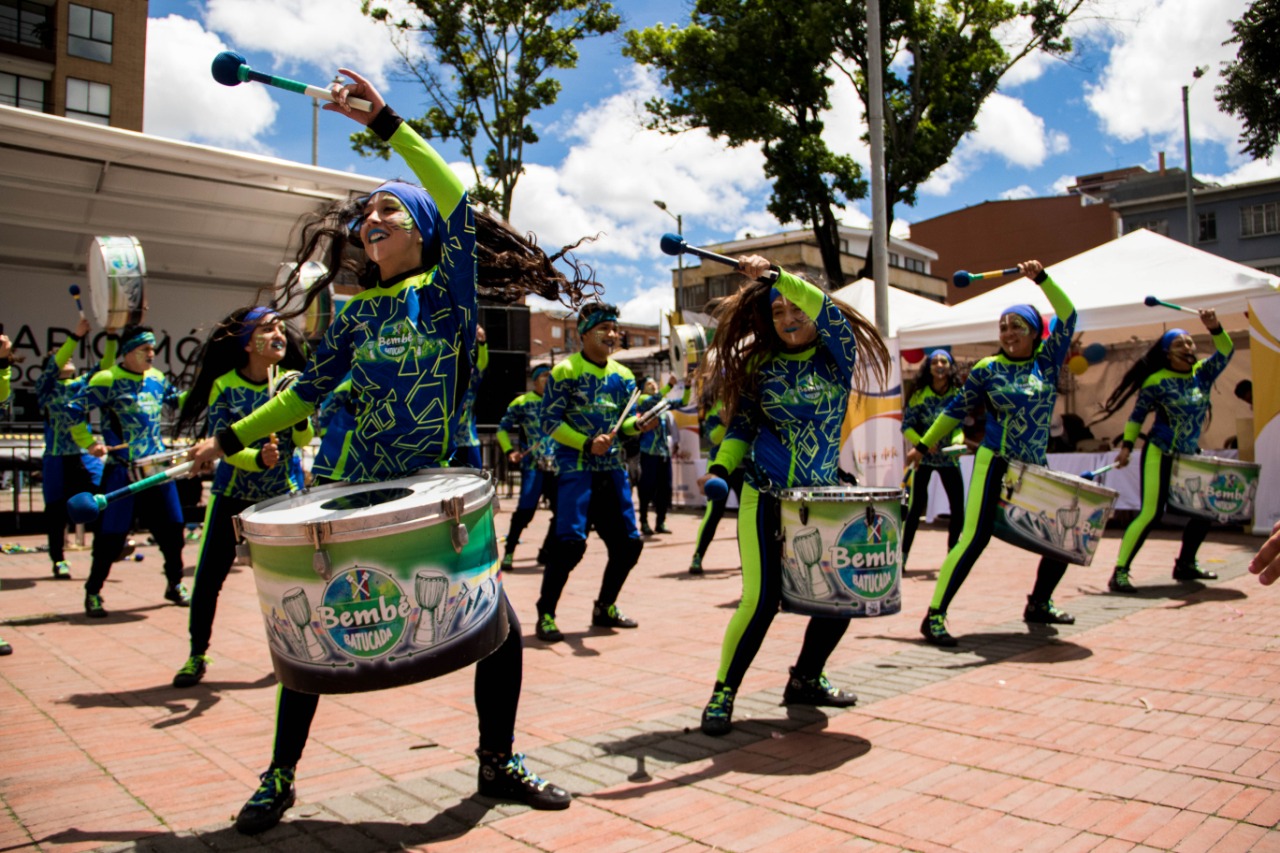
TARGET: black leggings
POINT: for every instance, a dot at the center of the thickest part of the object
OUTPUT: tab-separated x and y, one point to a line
715	512
217	553
497	695
655	487
953	483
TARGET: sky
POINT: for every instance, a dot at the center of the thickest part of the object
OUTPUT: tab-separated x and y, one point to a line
1115	102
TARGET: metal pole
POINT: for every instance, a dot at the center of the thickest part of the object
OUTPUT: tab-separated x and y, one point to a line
879	212
679	269
315	131
1186	144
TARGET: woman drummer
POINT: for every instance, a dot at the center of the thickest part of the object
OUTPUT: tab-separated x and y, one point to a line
933	389
416	318
1019	385
1171	382
783	360
713	430
238	369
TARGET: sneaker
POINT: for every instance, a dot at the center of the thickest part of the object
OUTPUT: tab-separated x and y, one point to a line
806	690
192	671
1120	582
269	803
934	629
610	617
507	560
177	593
662	528
547	631
1191	572
695	565
5	649
62	570
1045	613
717	717
504	777
93	607
645	529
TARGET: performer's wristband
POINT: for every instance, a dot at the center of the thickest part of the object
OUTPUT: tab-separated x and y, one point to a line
5	363
228	442
77	338
1041	277
1217	331
1127	445
385	123
719	471
258	460
923	448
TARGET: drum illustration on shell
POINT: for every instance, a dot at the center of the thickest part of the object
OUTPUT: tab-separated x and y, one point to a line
1052	513
841	551
117	271
373	585
1213	487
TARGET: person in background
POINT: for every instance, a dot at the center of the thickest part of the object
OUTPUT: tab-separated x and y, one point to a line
713	430
655	461
536	458
933	389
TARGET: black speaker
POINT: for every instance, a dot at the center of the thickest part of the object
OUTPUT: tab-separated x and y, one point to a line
506	378
506	327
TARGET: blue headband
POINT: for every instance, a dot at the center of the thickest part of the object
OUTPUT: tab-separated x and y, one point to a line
140	339
539	370
1167	339
942	353
251	321
606	314
1028	313
417	201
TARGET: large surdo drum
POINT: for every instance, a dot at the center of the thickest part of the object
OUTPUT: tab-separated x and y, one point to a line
1052	513
117	272
1213	487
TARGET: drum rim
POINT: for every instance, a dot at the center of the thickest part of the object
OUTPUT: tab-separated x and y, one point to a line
1064	477
346	529
1216	460
856	494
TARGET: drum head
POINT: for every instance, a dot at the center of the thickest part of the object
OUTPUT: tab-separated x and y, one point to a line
116	272
312	323
688	344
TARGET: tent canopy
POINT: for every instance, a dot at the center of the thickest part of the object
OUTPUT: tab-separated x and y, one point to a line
1108	284
904	306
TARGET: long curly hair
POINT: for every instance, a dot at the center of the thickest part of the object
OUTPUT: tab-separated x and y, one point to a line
510	266
222	352
924	378
1152	361
745	338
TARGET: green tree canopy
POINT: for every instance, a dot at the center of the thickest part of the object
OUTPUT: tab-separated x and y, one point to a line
484	65
1251	91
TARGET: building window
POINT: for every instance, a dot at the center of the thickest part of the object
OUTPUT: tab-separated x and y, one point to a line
1155	226
653	342
893	259
914	264
24	92
89	33
556	332
88	101
27	23
1273	269
1259	219
1208	231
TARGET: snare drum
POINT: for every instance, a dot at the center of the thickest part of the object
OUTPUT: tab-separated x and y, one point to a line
373	585
313	322
117	270
148	465
1212	487
688	344
1051	513
841	551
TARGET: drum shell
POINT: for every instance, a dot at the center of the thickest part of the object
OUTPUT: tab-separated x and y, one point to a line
116	274
147	466
369	629
688	345
1212	487
859	571
1029	493
313	322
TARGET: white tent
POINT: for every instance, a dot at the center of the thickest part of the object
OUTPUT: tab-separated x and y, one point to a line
1108	285
905	307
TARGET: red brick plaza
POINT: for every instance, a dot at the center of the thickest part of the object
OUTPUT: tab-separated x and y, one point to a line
1151	724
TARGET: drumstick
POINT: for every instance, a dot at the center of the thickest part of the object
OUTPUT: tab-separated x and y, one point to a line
635	395
649	414
1096	472
75	294
962	278
85	507
674	244
1153	302
231	69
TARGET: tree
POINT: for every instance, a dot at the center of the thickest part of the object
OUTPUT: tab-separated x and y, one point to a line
941	62
756	71
1252	88
484	65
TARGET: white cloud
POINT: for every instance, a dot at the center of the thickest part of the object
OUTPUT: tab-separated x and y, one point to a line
648	305
1019	192
182	99
1006	129
323	33
1061	184
1257	170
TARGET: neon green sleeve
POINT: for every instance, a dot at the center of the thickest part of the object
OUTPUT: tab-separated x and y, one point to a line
6	377
1131	430
482	357
432	171
1222	342
245	460
1062	305
730	454
64	353
281	413
504	440
717	434
805	296
569	437
684	398
302	437
629	426
109	350
942	427
913	437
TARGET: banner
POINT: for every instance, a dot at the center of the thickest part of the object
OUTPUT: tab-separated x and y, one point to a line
871	439
1264	343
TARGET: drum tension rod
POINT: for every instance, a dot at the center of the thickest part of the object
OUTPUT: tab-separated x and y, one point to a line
458	534
316	533
242	547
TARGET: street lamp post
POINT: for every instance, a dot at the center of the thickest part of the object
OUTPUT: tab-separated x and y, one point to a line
662	205
1186	144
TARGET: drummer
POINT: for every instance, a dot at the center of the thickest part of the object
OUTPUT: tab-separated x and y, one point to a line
785	394
130	396
1019	385
238	368
416	317
67	469
655	461
585	397
932	391
536	458
713	429
1171	382
466	440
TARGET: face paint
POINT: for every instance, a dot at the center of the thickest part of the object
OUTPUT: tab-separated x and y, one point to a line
1012	322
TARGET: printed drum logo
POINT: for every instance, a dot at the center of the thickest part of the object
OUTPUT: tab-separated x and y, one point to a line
866	555
1227	493
364	612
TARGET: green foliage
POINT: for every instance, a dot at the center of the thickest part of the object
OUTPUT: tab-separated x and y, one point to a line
1251	91
485	68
